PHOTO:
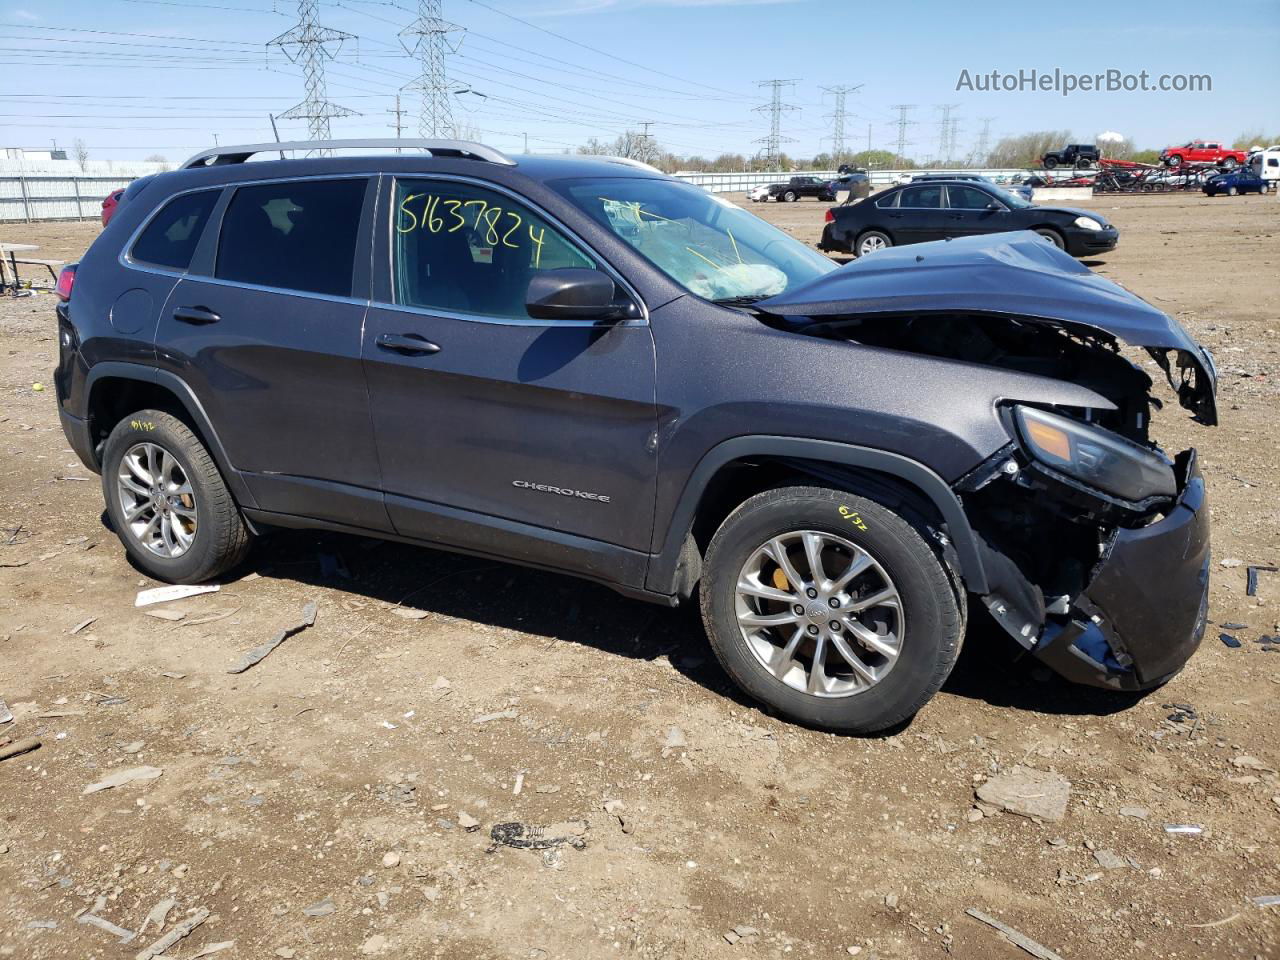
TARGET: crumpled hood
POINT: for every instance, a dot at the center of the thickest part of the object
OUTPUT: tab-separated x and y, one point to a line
1016	273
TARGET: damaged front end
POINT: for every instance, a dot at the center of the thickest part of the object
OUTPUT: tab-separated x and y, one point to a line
1094	544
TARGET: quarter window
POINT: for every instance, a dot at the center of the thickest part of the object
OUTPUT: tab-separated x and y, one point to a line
295	235
170	238
464	249
921	198
888	201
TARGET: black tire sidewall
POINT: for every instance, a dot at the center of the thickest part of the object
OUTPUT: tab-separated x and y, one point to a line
1053	237
871	233
179	442
933	622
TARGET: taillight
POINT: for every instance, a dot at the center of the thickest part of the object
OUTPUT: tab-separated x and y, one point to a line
829	216
66	280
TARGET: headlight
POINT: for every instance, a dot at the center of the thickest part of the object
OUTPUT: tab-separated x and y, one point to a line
1088	223
1094	456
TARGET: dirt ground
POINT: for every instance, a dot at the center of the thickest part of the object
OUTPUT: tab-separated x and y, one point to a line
340	773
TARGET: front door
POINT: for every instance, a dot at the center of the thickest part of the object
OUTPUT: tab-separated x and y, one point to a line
969	212
268	338
496	432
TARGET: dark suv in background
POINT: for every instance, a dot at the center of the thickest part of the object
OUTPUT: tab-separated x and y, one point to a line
1081	156
582	365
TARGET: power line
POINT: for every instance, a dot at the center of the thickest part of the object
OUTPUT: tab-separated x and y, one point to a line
432	32
903	123
838	117
776	108
310	44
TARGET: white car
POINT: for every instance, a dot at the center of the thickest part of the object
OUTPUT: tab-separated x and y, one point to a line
759	194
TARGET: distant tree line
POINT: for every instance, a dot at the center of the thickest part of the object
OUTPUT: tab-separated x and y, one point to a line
1022	150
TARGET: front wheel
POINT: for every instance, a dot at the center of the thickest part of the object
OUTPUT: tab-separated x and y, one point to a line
167	501
789	196
830	608
1053	236
1232	191
871	241
1174	161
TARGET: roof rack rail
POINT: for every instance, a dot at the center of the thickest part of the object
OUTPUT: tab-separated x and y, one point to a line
437	148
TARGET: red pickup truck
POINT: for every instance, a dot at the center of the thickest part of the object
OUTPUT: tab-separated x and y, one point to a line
1203	151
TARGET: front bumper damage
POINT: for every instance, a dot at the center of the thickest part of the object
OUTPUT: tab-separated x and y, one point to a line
1141	614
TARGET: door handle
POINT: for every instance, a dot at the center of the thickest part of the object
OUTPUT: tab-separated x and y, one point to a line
956	216
198	316
410	344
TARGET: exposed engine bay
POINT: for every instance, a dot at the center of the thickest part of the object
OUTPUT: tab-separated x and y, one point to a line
1049	516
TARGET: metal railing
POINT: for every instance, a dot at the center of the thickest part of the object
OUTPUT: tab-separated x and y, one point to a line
28	198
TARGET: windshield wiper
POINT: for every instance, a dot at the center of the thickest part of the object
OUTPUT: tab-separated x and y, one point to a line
741	301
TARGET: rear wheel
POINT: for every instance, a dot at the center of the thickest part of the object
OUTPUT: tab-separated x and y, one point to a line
1229	163
1050	163
871	241
1232	191
830	608
167	501
1174	161
1053	236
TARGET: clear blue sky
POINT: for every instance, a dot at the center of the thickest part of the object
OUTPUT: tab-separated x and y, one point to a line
136	77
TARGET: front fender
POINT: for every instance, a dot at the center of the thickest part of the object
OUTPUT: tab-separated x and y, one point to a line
662	572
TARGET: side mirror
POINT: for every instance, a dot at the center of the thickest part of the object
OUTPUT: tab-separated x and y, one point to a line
993	206
575	293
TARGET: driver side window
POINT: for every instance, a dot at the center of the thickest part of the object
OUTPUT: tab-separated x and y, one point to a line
460	248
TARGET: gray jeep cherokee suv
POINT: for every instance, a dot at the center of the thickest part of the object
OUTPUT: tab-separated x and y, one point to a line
583	365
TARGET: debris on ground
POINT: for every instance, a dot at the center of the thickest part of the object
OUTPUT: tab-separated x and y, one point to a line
159	915
467	822
211	617
183	929
173	616
500	715
176	591
1191	829
675	741
5	713
1028	792
80	626
1137	813
1014	937
257	654
391	859
1229	640
125	936
1110	860
1233	626
213	948
524	836
742	934
1251	578
375	944
1270	900
121	777
19	747
321	909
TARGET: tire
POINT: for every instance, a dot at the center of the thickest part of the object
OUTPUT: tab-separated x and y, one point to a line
789	196
871	241
1229	163
1050	163
1232	192
1053	236
924	623
218	538
1173	161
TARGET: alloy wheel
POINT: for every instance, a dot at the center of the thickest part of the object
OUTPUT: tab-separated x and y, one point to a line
871	245
157	501
819	613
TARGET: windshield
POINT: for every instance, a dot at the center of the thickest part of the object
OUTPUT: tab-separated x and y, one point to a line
711	247
1012	200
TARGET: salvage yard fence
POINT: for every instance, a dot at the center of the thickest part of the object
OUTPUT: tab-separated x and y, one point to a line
27	198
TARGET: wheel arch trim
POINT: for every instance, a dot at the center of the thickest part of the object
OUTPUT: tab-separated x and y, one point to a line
663	568
183	393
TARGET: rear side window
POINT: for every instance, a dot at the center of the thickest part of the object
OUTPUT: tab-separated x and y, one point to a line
297	235
927	198
170	238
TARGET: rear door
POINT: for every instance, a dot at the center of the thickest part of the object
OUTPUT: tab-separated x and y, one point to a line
266	330
496	432
920	215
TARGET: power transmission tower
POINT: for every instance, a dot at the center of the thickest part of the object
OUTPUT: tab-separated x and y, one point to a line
398	126
903	123
773	142
984	140
311	45
431	46
945	130
838	116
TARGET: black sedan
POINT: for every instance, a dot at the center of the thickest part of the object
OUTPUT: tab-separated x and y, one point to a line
936	210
